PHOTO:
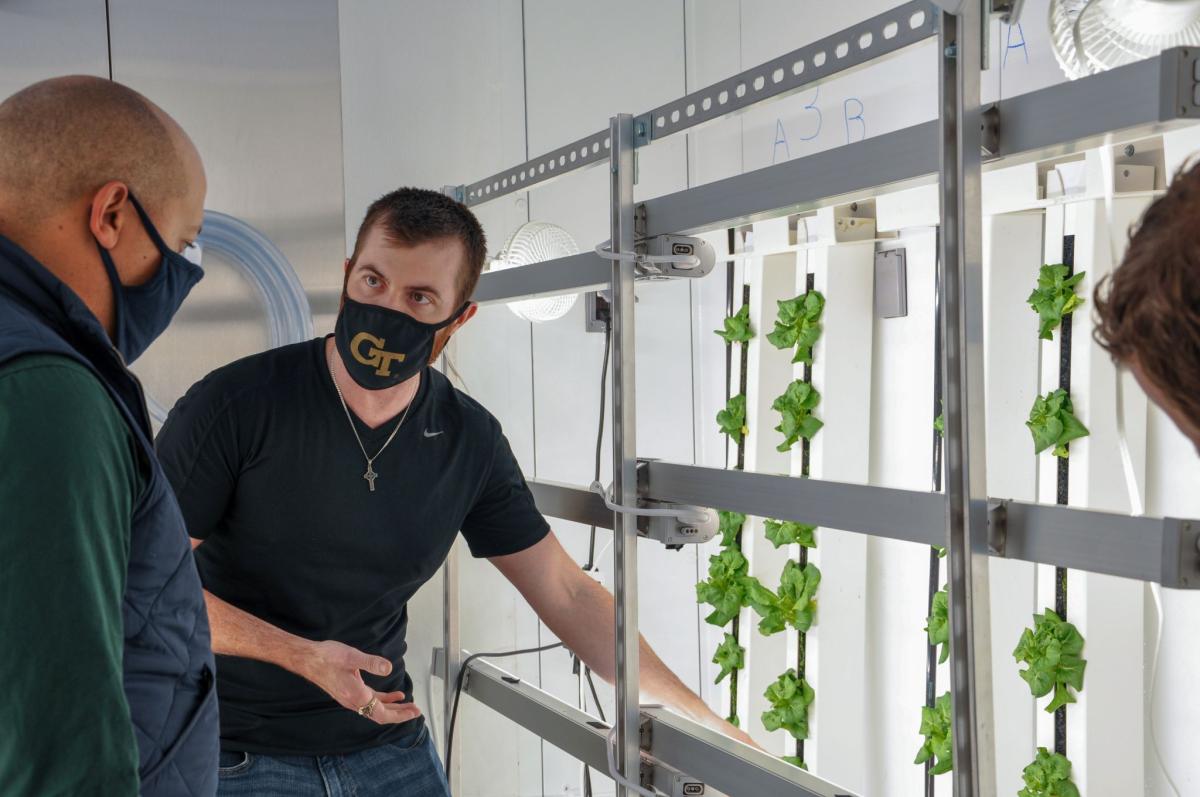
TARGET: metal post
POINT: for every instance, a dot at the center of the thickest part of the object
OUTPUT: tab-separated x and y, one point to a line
624	449
452	644
962	42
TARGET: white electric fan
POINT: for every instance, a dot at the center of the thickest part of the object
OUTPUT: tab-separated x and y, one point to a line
1091	36
534	242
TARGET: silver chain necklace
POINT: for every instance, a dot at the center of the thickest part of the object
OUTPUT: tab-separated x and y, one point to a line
370	474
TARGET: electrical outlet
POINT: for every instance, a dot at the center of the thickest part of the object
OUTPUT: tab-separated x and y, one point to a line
597	311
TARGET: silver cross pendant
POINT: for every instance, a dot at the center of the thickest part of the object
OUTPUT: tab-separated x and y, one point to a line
371	476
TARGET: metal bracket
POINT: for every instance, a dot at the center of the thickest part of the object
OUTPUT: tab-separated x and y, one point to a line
1184	77
455	192
989	126
891	283
1009	11
645	735
997	526
597	311
641	130
1183	569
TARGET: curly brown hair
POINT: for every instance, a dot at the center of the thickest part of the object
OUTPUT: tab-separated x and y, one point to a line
1148	309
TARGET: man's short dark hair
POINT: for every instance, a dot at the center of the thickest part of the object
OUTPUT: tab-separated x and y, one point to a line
1149	307
411	216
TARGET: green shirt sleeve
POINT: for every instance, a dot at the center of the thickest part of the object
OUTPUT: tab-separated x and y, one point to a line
69	480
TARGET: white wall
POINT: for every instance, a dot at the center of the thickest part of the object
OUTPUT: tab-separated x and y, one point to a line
448	93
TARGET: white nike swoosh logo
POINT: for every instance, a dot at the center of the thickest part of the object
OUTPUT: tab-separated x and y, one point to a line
433	434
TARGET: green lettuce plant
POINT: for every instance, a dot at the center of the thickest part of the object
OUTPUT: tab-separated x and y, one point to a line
730	656
938	624
787	532
737	327
729	524
793	605
1054	297
1048	776
732	419
725	588
790	697
1053	650
1052	422
795	408
798	325
938	743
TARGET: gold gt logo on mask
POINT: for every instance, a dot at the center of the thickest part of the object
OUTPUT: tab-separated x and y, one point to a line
376	356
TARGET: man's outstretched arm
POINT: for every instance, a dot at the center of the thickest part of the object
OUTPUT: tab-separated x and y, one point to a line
580	612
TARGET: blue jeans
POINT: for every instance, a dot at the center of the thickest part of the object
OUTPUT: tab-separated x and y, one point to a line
409	768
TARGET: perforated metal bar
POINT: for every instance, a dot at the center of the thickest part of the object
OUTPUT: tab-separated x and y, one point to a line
858	44
847	49
587	151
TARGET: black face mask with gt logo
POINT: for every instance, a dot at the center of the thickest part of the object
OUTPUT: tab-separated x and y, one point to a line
381	347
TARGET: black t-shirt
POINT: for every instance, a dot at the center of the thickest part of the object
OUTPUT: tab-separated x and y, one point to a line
269	475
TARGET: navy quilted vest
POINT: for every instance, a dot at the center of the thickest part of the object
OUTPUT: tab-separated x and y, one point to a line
169	669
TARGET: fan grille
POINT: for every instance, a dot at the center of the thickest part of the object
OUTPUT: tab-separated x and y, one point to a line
1094	35
536	242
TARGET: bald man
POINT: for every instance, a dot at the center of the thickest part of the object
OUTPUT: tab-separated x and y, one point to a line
105	664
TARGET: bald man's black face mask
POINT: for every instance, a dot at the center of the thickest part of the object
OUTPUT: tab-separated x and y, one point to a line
142	312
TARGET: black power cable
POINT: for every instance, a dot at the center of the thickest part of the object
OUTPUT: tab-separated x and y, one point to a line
591	558
462	673
462	677
935	565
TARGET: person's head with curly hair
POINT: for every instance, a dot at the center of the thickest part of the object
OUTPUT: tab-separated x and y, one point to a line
1149	307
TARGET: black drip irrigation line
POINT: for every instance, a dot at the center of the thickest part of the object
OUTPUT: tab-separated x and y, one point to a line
935	559
741	465
1064	473
805	455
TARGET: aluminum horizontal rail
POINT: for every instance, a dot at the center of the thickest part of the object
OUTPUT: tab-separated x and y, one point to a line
879	511
726	764
1163	550
565	726
675	749
839	53
571	503
583	272
864	168
1128	102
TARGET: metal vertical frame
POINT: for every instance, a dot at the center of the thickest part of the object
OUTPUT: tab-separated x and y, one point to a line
624	440
962	43
452	661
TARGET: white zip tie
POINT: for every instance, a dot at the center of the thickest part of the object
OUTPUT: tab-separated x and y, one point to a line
692	515
691	261
614	773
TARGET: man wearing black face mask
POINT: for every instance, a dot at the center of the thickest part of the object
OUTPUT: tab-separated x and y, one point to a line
324	482
105	659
